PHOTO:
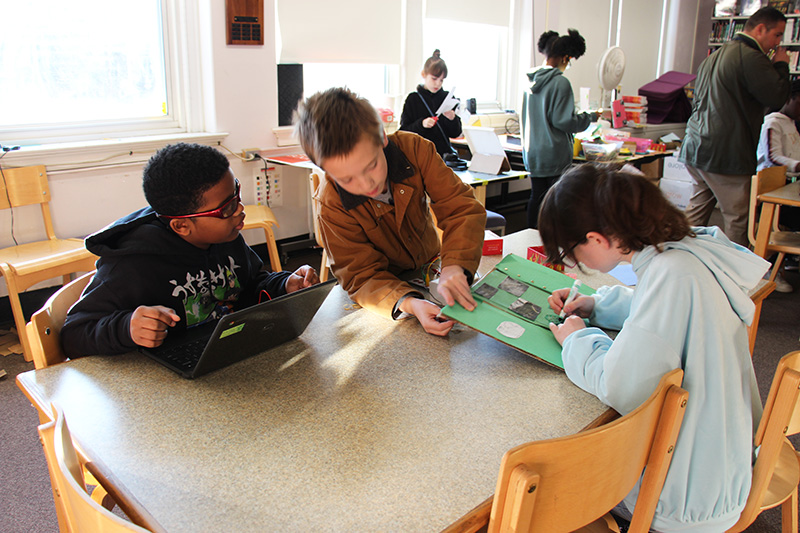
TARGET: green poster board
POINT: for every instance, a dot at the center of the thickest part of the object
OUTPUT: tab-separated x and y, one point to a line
512	307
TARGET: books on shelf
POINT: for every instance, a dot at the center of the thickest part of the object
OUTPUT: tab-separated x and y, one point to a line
792	33
724	30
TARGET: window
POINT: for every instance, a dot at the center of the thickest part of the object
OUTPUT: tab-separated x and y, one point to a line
475	57
89	71
373	82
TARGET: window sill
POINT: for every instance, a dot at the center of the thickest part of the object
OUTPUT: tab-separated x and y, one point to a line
86	155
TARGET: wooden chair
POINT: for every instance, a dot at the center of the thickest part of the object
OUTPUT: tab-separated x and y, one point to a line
571	483
75	509
261	216
776	473
25	265
782	242
44	328
315	182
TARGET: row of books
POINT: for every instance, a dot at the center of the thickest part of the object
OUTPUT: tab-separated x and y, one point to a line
792	32
794	60
724	30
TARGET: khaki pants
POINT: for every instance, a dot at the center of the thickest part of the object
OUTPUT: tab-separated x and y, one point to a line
733	194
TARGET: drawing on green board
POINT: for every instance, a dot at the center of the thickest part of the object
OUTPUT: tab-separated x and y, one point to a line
512	307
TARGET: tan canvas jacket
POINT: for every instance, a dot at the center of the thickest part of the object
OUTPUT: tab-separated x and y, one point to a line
369	242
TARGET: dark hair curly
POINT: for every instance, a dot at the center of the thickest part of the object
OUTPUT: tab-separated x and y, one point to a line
553	45
176	177
546	41
614	203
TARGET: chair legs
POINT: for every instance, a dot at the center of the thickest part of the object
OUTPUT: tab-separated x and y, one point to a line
789	514
16	310
777	267
272	247
323	268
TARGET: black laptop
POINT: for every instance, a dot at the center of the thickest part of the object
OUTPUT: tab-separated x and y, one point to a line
241	334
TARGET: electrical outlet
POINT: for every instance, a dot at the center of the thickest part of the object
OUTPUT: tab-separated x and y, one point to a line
269	186
250	153
275	186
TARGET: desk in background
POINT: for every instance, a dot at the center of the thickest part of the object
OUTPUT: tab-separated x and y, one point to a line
480	181
361	424
786	195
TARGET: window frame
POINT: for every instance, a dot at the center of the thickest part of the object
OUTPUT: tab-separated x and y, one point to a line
180	34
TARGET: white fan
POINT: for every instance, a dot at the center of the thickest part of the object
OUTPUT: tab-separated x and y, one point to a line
609	72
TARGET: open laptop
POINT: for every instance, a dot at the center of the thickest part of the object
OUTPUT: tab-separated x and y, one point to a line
241	334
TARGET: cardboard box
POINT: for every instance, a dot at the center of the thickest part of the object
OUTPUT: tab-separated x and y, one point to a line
677	191
537	255
675	170
492	243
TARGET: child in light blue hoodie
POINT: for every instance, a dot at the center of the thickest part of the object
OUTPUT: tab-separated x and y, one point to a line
689	310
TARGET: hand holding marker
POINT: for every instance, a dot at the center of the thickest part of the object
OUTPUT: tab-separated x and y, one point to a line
573	292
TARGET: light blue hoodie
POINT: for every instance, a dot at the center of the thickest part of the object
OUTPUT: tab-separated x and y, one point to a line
689	310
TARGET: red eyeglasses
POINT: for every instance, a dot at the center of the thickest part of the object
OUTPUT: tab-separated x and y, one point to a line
226	210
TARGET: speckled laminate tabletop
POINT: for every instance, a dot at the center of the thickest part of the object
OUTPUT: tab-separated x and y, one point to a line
361	424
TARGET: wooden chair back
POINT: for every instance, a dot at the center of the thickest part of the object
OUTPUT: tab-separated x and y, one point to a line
44	328
261	216
27	186
764	181
80	512
776	473
567	483
315	180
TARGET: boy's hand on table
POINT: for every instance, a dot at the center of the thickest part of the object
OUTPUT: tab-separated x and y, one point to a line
454	288
303	277
570	325
149	324
428	315
581	306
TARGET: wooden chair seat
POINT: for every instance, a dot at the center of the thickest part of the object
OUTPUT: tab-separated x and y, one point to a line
784	241
26	259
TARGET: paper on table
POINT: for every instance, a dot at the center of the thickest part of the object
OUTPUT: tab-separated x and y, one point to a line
450	102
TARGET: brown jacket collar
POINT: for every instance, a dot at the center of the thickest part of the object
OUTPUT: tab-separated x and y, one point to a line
398	169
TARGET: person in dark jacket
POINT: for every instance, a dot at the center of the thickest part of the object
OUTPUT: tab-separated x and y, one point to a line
419	111
549	119
173	265
735	87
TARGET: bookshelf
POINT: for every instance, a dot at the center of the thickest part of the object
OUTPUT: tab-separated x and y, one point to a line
724	28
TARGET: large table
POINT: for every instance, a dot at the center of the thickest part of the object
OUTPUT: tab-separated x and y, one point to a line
361	424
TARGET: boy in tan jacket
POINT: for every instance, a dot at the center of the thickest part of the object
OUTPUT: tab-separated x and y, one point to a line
374	218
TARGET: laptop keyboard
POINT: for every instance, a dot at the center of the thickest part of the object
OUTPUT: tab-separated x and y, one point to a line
184	356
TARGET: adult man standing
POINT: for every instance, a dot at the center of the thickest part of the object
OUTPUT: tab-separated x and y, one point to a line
735	86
